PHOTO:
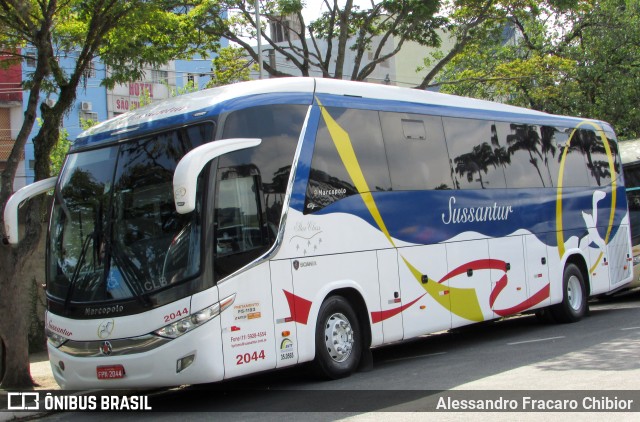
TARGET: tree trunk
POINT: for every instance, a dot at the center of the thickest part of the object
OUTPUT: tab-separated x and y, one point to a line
14	324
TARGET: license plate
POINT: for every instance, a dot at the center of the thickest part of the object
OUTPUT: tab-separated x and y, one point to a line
110	372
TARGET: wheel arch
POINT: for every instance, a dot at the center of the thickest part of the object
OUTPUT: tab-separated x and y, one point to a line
579	261
356	300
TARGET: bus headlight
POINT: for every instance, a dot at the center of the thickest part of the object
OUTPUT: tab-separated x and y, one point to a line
184	325
54	338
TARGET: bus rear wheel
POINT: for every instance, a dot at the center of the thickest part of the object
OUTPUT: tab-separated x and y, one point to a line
338	339
574	302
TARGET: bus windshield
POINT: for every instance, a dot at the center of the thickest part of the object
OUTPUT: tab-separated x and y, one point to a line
115	233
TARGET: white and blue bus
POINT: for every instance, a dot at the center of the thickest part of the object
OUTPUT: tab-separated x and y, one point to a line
270	223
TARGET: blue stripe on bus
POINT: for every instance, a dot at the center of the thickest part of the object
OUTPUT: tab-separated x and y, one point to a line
424	217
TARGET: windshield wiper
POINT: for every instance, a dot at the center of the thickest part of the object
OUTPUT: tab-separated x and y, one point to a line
76	272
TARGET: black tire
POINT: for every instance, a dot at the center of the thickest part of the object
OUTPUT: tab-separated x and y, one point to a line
545	316
574	301
338	339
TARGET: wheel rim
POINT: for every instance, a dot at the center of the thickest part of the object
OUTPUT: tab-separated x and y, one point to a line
574	292
338	336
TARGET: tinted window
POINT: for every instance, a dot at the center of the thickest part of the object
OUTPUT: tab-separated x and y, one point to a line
596	156
477	157
526	164
251	183
330	180
416	151
279	127
575	169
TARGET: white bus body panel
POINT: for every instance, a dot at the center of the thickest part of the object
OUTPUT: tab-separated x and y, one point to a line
248	332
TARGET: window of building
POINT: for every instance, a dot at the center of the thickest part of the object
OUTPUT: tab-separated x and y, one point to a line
159	76
90	71
31	58
87	115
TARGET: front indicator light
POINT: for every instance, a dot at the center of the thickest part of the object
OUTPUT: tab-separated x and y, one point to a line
180	327
185	362
54	338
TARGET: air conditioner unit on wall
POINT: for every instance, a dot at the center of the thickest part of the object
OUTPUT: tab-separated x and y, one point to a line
85	106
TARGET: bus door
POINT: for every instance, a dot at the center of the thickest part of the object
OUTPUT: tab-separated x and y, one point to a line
537	270
390	296
509	291
470	282
284	301
426	299
240	238
248	338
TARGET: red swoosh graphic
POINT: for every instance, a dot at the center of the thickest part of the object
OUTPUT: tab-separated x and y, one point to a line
380	316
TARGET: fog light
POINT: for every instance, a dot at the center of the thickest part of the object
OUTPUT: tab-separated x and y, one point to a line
185	362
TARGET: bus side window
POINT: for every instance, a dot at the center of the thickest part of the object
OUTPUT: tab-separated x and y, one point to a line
526	164
417	151
597	159
475	152
329	179
240	222
575	174
279	127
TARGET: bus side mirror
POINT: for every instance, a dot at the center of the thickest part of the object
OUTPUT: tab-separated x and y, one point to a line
189	167
14	202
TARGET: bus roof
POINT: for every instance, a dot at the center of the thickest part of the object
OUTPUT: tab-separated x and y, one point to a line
198	105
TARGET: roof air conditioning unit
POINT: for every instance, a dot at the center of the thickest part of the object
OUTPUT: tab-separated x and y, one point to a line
85	105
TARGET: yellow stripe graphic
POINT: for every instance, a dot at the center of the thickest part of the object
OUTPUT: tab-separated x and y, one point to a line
559	224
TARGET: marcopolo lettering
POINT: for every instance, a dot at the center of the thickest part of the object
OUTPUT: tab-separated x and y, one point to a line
105	310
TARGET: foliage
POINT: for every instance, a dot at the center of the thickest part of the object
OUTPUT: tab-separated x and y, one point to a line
231	66
572	57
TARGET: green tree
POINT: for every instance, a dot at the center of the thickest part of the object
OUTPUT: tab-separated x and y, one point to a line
230	66
126	36
576	57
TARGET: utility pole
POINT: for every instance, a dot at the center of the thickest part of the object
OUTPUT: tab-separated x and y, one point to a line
259	39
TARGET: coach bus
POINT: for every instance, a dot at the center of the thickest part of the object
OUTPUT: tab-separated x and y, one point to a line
271	223
630	156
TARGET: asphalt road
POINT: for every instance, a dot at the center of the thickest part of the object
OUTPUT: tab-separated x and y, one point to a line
596	354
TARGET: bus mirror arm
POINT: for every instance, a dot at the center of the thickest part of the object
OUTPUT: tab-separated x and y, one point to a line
189	167
13	205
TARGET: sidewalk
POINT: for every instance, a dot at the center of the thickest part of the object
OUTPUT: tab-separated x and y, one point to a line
41	372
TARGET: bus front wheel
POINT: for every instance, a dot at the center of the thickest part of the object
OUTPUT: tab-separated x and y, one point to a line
338	339
574	302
